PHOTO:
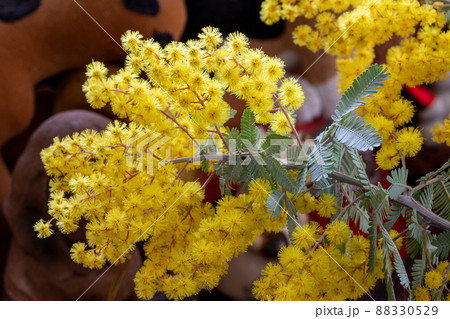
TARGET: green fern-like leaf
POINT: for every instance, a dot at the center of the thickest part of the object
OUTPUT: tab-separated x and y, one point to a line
301	181
338	154
253	168
441	203
415	234
249	130
360	217
442	244
233	172
320	161
291	218
417	271
356	213
275	203
366	84
425	196
326	186
387	271
378	200
282	176
397	210
275	143
398	179
361	174
398	262
356	133
233	139
373	228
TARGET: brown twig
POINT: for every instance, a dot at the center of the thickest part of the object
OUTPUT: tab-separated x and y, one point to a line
405	200
222	138
297	137
179	173
171	117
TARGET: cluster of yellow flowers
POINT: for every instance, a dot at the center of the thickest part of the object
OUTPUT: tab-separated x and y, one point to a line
123	181
179	84
434	280
186	259
442	132
317	269
96	178
325	205
352	30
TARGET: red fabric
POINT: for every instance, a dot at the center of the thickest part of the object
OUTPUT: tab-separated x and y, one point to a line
310	128
421	94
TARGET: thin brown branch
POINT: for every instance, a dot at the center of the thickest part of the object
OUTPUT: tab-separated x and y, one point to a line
428	215
171	117
297	137
405	200
400	235
222	138
431	181
179	173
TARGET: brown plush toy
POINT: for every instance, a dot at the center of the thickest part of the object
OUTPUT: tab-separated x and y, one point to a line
43	38
41	269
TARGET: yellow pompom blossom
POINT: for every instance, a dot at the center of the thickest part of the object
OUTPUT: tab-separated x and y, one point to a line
442	268
270	11
433	279
305	203
409	141
352	30
260	189
338	232
326	206
291	94
43	229
280	123
318	274
422	294
387	157
305	236
442	132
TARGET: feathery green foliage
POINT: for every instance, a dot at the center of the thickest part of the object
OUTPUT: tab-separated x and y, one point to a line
363	86
442	244
356	133
398	262
249	130
441	202
398	179
320	161
359	166
275	203
418	272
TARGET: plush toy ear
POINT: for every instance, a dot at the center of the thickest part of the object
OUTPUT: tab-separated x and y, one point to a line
229	16
163	38
150	7
12	10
